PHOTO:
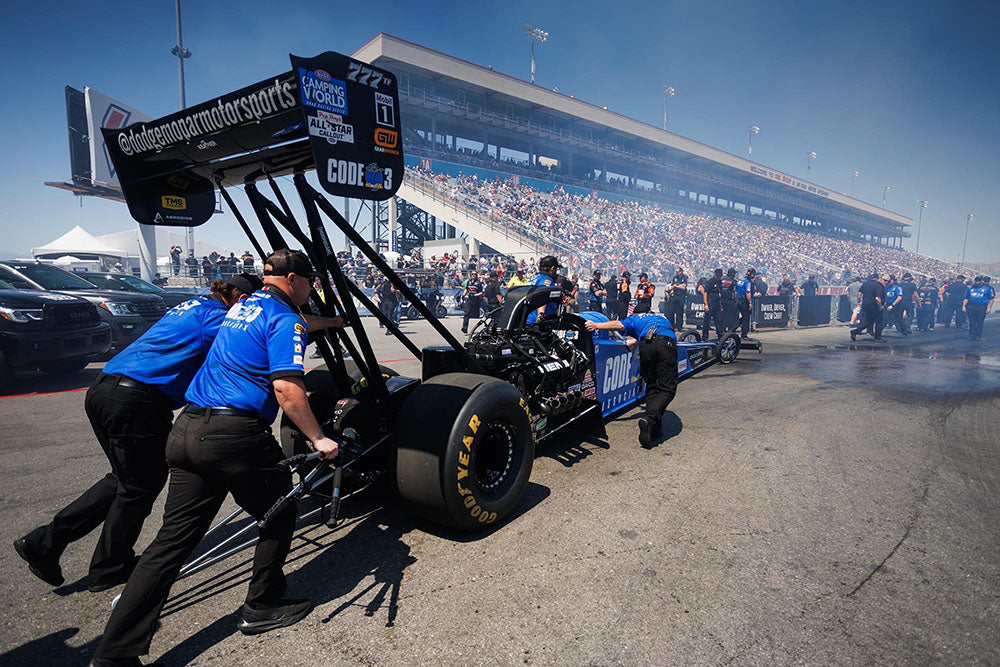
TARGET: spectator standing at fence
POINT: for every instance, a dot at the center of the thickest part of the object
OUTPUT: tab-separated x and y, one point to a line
191	262
596	292
247	260
809	287
175	259
207	267
678	298
928	297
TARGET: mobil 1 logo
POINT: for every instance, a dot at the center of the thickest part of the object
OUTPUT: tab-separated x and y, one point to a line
351	110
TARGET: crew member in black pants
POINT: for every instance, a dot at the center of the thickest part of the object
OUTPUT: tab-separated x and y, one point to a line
657	343
221	444
474	291
130	407
678	298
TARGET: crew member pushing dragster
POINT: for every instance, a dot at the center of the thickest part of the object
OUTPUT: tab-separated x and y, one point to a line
221	444
130	407
657	343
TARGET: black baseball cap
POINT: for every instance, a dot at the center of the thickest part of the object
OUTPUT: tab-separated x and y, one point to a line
548	262
597	273
282	262
248	283
906	276
731	272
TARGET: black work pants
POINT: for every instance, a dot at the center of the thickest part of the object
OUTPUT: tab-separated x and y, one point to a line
872	318
713	313
906	311
745	316
925	318
977	315
658	368
209	456
388	309
959	315
895	317
132	424
675	312
471	310
729	316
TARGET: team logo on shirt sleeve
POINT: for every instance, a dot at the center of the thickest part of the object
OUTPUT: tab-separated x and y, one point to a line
299	328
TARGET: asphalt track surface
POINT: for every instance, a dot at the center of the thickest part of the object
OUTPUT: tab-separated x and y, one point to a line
821	503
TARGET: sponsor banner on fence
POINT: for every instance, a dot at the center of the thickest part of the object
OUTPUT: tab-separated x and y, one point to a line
694	312
772	311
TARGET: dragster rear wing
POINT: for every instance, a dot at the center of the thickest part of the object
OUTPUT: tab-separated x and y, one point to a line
330	110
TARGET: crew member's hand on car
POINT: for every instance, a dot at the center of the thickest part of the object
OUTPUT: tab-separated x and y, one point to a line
327	446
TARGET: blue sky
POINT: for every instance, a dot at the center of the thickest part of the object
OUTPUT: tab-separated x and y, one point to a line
906	93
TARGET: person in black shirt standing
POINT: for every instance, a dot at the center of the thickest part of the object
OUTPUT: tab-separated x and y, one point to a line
809	287
624	294
729	312
713	305
928	295
872	305
597	293
474	290
388	297
909	299
493	295
643	296
678	298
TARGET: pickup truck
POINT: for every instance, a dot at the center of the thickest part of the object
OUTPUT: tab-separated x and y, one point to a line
56	333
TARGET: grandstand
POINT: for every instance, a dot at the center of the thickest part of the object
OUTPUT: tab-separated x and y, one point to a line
463	117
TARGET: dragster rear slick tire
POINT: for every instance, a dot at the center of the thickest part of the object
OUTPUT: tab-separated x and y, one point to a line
463	450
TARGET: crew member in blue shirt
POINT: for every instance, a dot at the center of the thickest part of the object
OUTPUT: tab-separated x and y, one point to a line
546	277
222	444
130	407
977	302
744	301
657	343
894	305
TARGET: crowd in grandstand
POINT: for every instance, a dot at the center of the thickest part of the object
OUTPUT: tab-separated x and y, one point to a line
599	233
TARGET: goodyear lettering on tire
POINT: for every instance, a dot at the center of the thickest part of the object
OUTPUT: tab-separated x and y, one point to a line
468	497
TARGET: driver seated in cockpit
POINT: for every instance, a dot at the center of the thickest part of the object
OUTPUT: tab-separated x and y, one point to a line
546	278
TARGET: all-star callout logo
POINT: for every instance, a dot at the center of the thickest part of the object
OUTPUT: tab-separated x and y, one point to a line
331	126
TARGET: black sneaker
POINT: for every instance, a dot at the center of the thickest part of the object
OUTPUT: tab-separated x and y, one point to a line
465	331
47	570
854	335
287	612
645	432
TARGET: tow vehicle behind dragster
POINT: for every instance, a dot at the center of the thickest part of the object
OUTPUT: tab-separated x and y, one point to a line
455	445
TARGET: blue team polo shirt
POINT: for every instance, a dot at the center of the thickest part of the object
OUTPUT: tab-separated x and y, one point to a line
171	351
743	287
261	339
551	307
893	292
979	294
639	324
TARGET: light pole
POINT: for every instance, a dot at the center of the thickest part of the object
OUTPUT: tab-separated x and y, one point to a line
968	219
853	176
668	91
534	35
922	203
884	193
182	54
753	129
810	156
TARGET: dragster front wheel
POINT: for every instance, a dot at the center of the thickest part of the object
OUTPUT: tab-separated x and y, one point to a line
728	348
463	450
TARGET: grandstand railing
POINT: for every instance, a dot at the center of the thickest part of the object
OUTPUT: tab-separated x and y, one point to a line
496	225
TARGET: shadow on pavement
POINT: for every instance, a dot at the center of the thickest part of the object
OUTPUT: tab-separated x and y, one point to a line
37	382
52	649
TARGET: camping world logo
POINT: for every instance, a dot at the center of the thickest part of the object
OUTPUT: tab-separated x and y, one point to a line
114	118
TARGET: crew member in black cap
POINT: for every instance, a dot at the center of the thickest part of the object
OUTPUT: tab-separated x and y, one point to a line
624	294
643	295
872	306
909	301
678	298
130	407
221	444
928	295
713	306
597	293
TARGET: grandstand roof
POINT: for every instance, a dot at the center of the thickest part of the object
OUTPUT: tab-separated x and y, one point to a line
400	55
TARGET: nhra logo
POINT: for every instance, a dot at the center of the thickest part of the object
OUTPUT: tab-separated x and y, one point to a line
173	203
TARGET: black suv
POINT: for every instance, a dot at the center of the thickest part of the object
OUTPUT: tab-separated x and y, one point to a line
129	314
56	333
122	282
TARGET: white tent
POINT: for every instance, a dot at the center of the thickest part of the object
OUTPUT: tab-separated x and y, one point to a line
77	242
128	242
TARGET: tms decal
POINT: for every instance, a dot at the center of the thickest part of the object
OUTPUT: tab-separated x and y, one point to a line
173	203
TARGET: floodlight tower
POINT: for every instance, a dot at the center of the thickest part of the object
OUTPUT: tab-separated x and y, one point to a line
753	129
853	176
534	35
922	203
968	219
810	156
668	91
182	54
884	193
